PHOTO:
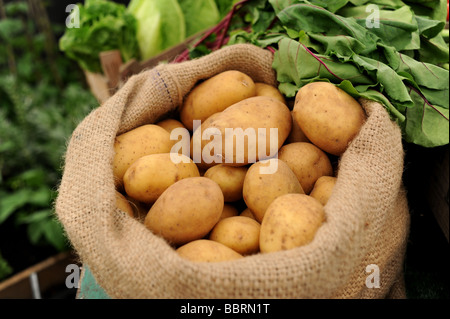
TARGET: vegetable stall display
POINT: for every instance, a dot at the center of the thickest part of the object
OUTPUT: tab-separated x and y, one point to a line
342	95
395	53
139	31
390	51
168	246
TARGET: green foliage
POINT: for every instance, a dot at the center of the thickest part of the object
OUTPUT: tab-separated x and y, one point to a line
199	15
5	268
401	62
37	117
224	6
104	25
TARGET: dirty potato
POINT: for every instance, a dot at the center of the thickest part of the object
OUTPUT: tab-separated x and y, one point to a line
328	116
292	220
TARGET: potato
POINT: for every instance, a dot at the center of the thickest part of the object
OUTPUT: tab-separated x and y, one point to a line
241	134
123	204
263	89
248	213
228	211
196	144
215	95
323	188
149	176
296	134
238	233
169	124
261	189
143	140
292	220
230	180
328	116
307	161
205	250
187	210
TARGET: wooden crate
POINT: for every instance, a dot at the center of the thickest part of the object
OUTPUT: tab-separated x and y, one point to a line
115	72
38	280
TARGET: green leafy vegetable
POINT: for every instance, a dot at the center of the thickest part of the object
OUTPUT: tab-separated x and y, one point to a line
5	268
224	6
160	25
104	25
397	62
43	97
397	27
199	15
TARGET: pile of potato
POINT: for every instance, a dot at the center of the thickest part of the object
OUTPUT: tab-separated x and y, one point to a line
231	207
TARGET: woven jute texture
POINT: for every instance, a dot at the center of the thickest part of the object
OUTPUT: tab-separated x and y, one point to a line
363	239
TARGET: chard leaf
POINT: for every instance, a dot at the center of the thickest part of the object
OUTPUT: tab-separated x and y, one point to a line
224	6
256	38
259	14
340	45
288	89
314	19
434	50
424	74
393	4
429	28
296	63
436	97
330	5
397	28
434	9
390	81
366	91
425	124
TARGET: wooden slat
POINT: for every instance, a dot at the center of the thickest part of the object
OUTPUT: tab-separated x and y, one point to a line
98	84
111	62
50	272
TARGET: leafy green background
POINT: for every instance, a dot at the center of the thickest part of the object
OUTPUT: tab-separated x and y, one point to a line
42	98
103	26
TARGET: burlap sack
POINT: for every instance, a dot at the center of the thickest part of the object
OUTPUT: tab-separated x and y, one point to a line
367	215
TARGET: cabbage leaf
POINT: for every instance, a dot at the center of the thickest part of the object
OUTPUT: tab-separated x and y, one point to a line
160	25
199	15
